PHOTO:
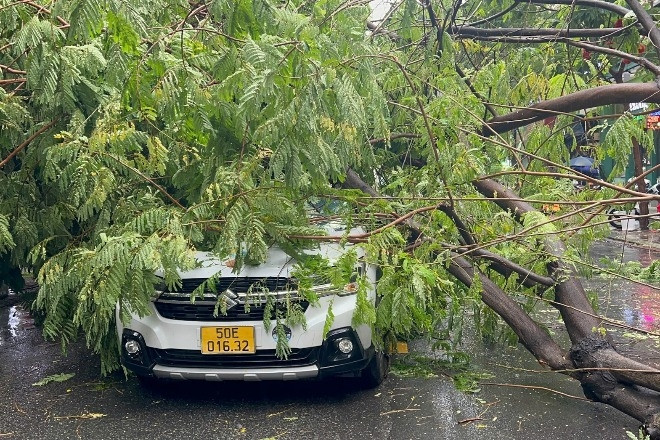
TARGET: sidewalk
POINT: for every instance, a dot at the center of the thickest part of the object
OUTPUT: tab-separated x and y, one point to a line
643	239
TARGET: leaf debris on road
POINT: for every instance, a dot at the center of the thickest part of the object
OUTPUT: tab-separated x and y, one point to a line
54	378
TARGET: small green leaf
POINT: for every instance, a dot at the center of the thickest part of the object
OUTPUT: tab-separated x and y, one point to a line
54	378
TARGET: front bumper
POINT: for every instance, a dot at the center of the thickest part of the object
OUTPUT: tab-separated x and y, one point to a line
170	348
220	374
307	363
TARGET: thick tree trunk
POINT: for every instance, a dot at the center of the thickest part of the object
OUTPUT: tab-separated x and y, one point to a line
594	97
602	385
530	334
605	375
571	299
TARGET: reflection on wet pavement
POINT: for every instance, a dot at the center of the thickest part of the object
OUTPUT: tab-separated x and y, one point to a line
14	319
644	309
637	305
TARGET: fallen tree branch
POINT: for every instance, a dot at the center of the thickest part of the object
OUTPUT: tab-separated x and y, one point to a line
12	81
11	70
590	349
147	179
647	22
40	8
642	61
598	4
531	335
470	32
598	96
568	290
27	142
506	267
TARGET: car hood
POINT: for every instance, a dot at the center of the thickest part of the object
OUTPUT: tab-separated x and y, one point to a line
277	264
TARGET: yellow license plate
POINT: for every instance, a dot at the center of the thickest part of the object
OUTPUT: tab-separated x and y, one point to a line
228	340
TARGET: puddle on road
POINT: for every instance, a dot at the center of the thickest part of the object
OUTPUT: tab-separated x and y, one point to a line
636	305
14	319
644	309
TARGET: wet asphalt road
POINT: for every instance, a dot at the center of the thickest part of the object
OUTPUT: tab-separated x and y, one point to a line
90	407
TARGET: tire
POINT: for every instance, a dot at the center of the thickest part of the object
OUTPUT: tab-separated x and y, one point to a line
376	370
615	218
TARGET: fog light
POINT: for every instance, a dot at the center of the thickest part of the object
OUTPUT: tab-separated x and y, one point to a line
132	347
345	345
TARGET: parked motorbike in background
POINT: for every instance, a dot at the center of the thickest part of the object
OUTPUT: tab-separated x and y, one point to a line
618	217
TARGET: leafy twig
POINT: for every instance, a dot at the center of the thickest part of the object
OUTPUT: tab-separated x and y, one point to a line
27	141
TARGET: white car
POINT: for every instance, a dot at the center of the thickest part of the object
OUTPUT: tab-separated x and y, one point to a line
182	339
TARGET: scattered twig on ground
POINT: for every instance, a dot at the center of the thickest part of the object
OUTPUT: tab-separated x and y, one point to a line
86	415
480	416
470	420
408	408
533	387
394	411
281	412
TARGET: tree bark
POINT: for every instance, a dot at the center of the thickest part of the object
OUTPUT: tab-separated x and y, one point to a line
469	31
530	334
605	375
650	28
598	4
595	97
571	299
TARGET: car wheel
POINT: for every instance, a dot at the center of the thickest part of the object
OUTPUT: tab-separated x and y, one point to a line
376	371
615	217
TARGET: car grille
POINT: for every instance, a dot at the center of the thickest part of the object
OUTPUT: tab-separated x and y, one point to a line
243	298
239	284
203	311
298	357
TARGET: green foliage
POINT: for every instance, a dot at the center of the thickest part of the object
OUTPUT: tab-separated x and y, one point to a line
562	84
6	240
631	269
415	365
641	435
618	142
456	365
160	130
